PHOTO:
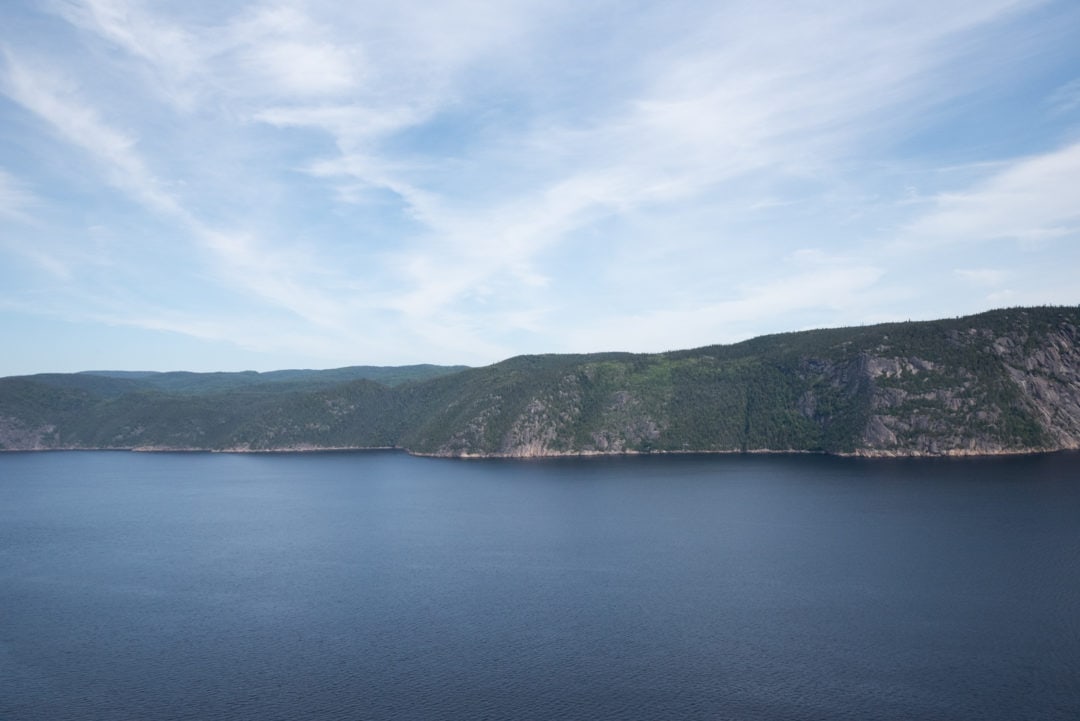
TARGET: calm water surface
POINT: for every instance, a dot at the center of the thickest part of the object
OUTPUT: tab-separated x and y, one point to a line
381	586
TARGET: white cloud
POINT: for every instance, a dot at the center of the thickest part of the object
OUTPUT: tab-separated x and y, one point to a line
303	70
275	276
711	115
268	51
57	101
1066	98
128	25
170	54
981	276
353	126
293	56
1031	200
454	177
715	111
15	198
45	259
836	290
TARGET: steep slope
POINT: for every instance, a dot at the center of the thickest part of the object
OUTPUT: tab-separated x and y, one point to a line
1003	381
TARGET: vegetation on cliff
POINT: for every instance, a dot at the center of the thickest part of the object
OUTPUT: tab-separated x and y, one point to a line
1002	381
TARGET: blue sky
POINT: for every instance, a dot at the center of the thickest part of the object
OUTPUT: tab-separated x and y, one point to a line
315	183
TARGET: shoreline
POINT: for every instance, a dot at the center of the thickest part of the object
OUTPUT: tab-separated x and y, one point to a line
871	454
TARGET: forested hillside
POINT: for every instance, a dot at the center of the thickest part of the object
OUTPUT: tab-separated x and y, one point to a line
1002	381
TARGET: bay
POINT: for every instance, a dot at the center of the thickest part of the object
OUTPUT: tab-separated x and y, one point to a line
383	586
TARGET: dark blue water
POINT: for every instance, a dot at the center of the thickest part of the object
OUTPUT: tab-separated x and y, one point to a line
381	586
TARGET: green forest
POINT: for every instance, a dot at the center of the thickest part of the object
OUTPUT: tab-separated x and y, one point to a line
1001	381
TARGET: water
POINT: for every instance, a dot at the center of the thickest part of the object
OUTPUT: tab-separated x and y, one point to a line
381	586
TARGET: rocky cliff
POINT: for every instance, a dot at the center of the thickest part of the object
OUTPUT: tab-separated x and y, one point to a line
1000	382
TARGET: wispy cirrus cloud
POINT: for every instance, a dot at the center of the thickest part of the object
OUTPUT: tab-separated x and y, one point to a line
18	206
466	180
1030	200
748	309
244	263
982	276
292	56
55	99
16	199
1065	98
703	120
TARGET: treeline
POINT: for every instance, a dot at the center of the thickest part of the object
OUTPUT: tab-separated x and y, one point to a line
979	383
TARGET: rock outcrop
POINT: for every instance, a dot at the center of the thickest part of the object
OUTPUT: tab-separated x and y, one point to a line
1000	382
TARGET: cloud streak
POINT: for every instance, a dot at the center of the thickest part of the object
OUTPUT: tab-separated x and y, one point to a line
55	100
1031	200
15	199
272	276
460	181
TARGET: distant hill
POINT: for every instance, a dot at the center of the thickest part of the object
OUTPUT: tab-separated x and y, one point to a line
999	382
200	383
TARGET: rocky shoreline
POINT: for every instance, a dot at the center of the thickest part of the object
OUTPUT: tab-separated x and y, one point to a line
868	453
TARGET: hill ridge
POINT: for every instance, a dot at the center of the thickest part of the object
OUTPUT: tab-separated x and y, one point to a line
1002	381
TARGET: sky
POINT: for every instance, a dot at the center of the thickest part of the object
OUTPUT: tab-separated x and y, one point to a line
213	185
